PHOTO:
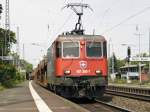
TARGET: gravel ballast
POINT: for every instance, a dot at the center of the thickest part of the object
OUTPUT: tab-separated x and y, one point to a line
131	104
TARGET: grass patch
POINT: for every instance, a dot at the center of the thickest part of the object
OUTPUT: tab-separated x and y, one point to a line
1	87
118	81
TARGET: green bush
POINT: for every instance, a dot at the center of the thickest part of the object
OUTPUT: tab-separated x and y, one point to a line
9	76
19	78
1	87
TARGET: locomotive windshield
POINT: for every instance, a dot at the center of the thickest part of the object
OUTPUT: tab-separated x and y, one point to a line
70	49
93	49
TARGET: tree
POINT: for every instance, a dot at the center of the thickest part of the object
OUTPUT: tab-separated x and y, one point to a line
120	62
7	38
16	58
26	66
117	63
113	61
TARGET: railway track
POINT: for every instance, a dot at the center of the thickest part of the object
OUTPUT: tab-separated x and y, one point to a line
135	93
100	106
113	108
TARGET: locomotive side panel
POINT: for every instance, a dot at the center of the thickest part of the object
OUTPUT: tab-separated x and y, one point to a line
53	79
51	64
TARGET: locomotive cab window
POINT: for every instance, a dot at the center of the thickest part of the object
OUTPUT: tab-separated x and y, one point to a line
58	49
93	49
70	49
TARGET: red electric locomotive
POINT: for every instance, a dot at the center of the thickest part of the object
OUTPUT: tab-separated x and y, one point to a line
77	64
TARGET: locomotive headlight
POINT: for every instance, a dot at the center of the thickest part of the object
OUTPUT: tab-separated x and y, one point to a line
67	72
98	71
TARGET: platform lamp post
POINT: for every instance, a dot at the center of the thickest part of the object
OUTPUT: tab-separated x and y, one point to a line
43	46
40	45
33	44
1	8
138	34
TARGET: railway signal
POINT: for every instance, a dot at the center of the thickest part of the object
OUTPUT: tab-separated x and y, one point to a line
128	60
128	54
1	8
129	51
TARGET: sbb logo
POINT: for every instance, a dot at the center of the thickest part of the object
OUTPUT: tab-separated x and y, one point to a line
83	64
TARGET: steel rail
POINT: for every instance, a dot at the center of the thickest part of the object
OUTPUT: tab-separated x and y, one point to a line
97	105
120	109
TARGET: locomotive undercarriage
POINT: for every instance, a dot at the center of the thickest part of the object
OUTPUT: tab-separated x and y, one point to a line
73	87
80	91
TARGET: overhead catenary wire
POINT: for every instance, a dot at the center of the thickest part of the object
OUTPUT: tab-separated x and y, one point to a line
107	10
125	20
65	1
61	27
65	22
68	18
68	1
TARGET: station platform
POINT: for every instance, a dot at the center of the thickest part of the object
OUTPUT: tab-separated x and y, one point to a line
22	99
17	99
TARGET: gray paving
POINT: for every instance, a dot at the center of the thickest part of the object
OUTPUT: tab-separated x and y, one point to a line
17	99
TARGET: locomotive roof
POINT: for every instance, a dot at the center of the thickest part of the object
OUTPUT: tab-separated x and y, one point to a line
80	37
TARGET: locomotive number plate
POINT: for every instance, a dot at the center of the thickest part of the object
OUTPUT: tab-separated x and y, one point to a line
82	71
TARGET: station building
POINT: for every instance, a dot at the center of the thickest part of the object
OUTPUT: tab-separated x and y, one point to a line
133	72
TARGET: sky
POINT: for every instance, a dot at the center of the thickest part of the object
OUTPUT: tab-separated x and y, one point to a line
41	21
